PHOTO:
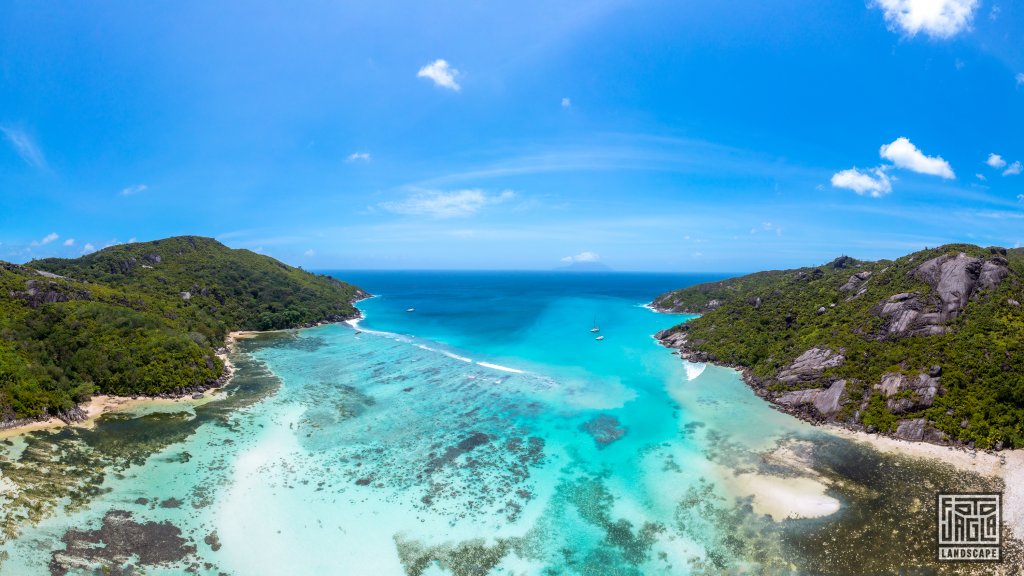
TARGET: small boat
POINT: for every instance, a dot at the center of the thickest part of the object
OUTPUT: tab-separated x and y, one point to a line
358	332
599	338
596	328
411	310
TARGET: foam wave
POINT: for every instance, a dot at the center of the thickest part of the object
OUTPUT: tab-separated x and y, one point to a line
693	370
499	367
355	324
456	356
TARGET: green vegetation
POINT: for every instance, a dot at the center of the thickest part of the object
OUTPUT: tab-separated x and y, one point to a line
143	318
764	321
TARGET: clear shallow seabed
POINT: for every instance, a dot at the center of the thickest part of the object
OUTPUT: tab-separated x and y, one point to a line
488	431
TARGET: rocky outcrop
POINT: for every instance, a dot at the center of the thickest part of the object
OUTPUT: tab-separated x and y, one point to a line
37	293
954	281
907	394
826	401
856	281
918	430
810	365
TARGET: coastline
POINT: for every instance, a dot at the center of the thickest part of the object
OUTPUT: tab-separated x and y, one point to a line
100	404
1005	465
97	406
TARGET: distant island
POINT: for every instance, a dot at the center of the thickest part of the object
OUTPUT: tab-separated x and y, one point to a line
928	347
143	319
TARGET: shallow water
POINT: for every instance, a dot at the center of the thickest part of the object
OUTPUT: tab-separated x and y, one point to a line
487	431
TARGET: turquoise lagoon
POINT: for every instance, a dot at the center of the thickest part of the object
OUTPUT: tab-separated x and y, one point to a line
487	431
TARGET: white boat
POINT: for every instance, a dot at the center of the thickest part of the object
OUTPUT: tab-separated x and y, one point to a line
411	310
599	338
596	328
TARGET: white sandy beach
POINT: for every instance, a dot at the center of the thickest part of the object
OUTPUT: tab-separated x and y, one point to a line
1007	464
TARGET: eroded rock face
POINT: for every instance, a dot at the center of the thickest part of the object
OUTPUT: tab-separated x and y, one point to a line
954	279
824	400
37	293
923	389
918	430
810	365
855	281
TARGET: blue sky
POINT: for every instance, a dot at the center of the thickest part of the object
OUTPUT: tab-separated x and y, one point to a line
649	135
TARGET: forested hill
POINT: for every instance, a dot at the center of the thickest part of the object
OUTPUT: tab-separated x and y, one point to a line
926	347
143	318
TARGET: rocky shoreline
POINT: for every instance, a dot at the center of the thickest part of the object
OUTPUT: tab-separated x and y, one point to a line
812	405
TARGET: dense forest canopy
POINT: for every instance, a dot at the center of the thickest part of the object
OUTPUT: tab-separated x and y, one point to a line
143	318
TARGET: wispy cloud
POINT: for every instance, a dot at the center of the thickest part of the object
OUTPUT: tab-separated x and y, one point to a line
585	256
939	19
51	237
1014	169
873	182
69	242
309	253
995	161
358	157
1020	78
767	227
441	73
904	154
25	146
437	204
88	248
566	103
134	189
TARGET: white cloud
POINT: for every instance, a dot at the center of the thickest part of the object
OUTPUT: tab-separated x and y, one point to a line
904	154
134	189
936	18
980	176
863	182
995	161
69	242
441	73
566	103
585	256
1020	197
447	204
88	248
51	237
358	157
24	146
1020	78
309	253
1014	169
